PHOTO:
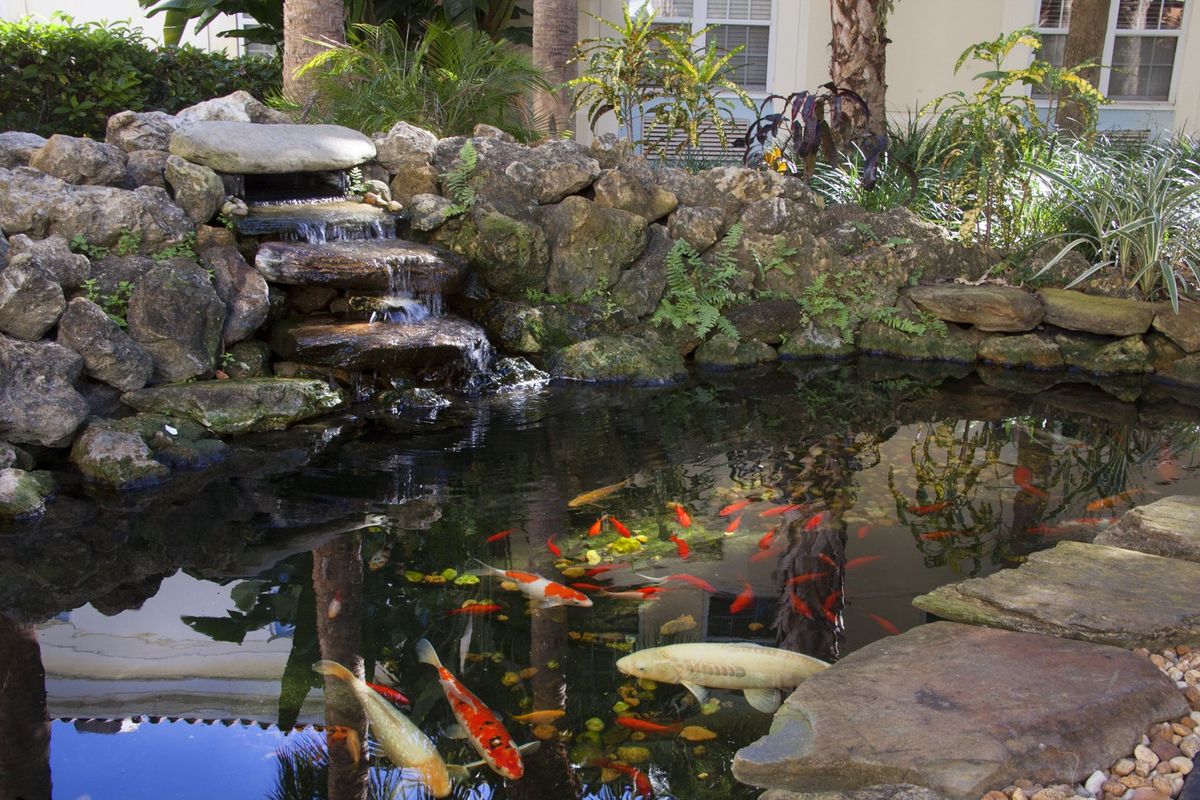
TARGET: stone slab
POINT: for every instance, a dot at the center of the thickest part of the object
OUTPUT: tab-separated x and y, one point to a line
1169	527
960	710
242	405
1110	316
1083	591
1183	328
370	264
431	342
247	148
988	308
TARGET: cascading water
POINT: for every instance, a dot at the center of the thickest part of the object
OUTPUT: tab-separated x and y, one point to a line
318	221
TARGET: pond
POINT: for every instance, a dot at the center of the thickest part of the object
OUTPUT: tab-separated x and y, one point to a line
806	504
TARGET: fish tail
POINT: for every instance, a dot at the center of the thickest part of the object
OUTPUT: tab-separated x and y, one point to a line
334	669
426	654
483	569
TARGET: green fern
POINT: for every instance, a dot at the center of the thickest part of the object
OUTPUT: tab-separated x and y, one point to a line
919	325
458	180
697	292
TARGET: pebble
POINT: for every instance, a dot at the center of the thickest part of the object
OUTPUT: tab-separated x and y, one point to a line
1123	767
1051	794
1148	793
1133	781
1190	745
1019	794
995	795
1162	784
1145	755
1095	783
1115	787
1164	749
1181	764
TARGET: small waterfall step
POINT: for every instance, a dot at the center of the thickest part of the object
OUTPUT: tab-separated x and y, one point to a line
432	342
379	265
324	221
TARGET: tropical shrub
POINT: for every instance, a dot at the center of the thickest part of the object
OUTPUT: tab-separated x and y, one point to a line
62	77
450	80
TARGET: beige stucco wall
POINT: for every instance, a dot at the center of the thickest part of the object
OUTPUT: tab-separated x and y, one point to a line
112	10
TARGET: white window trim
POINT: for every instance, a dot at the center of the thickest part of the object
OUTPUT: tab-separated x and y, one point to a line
700	20
1110	37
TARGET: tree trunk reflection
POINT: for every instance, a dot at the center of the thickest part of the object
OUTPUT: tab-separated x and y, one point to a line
24	720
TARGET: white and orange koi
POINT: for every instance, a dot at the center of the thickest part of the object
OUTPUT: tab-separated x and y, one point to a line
486	734
542	591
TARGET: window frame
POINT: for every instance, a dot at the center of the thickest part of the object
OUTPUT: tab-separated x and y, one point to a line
700	20
1110	38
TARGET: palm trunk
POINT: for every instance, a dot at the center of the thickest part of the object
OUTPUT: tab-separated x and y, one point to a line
25	754
858	53
555	32
306	24
1085	41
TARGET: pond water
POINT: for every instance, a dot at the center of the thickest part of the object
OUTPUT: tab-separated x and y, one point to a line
177	628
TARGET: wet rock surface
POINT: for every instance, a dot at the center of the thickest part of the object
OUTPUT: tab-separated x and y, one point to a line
1111	316
959	710
109	354
1081	591
989	308
23	494
240	406
177	317
116	459
360	345
1169	527
372	264
618	359
38	401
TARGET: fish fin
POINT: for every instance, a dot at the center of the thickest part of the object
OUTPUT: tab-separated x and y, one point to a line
648	578
333	669
529	747
426	654
765	700
456	731
483	569
700	692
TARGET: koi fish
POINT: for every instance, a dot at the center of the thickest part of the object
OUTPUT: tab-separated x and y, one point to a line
758	671
887	626
335	605
805	578
594	571
800	607
587	587
744	599
779	510
1110	501
476	608
931	508
545	593
495	537
827	607
393	696
596	527
933	536
692	580
487	735
645	593
1029	488
540	717
734	524
765	541
596	495
641	783
858	562
646	726
681	515
862	532
402	741
621	529
552	547
681	547
733	508
1022	474
815	521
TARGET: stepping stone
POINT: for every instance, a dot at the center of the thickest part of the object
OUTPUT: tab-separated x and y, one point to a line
371	264
240	406
1083	591
960	710
431	342
1089	313
247	148
988	308
1169	527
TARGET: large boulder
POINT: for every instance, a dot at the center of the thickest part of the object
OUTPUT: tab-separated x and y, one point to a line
403	147
23	494
1029	351
116	459
628	191
176	315
38	401
556	169
110	272
589	245
700	227
640	360
1108	316
430	211
1081	591
1183	328
31	301
988	308
52	256
1169	527
198	190
509	255
249	148
425	344
241	288
81	161
1103	356
241	406
961	710
140	130
639	288
146	168
17	147
722	353
378	265
109	354
770	321
37	204
239	106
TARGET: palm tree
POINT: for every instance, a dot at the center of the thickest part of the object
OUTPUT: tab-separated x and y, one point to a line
307	25
555	32
1086	30
858	52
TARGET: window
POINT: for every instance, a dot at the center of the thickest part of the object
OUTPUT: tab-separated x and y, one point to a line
736	23
1140	48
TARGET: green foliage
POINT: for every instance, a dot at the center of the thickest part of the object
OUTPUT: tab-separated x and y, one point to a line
831	303
115	305
448	81
62	77
919	324
776	260
80	244
458	180
697	291
185	249
267	15
354	183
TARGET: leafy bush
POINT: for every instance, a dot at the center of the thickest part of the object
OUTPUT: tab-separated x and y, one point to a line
62	77
449	81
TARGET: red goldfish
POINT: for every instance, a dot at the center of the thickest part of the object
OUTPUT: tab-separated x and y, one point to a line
645	726
770	552
621	529
778	510
931	508
935	535
800	607
815	521
681	515
733	508
1029	488
487	735
825	558
495	537
552	547
347	736
1110	501
765	541
1022	474
810	576
477	608
641	783
858	562
862	532
544	592
887	626
734	524
644	593
744	599
596	526
393	696
681	547
588	587
594	571
699	583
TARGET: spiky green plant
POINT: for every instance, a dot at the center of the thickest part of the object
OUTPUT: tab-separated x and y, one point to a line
697	291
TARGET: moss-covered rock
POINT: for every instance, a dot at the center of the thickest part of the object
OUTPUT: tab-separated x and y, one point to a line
989	308
589	245
1184	371
954	345
1110	316
23	494
1029	351
509	255
248	359
1182	328
116	459
623	359
241	406
1101	356
811	340
176	441
721	352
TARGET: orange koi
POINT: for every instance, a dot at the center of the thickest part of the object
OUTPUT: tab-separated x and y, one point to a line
765	541
825	557
887	626
540	717
800	607
552	547
734	524
681	547
393	696
1022	474
588	587
733	508
779	510
1051	530
1029	488
641	783
931	508
621	529
858	562
681	515
827	607
646	726
743	600
1110	501
644	593
815	521
699	583
596	527
594	571
495	537
805	578
477	608
862	532
487	735
933	536
544	592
